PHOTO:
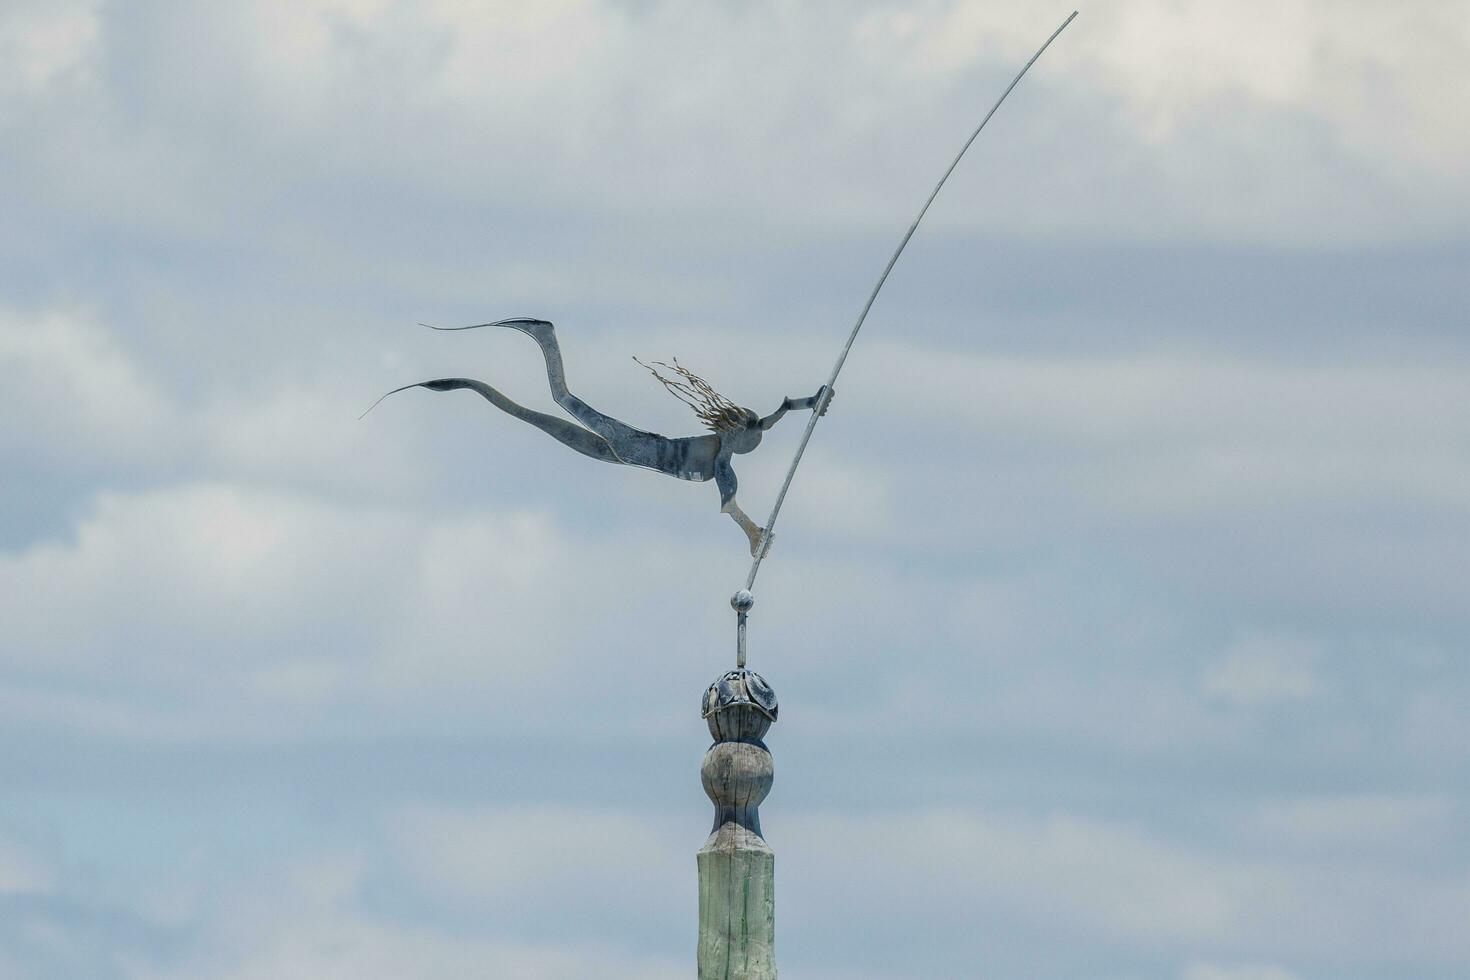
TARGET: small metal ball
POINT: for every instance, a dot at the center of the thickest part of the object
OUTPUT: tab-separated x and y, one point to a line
742	601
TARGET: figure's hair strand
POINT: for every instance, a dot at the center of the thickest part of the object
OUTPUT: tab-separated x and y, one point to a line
713	409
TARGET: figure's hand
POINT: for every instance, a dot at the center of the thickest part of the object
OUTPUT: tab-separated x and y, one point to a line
828	394
755	542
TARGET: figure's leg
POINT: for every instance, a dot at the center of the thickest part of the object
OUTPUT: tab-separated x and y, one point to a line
544	333
574	436
725	480
631	445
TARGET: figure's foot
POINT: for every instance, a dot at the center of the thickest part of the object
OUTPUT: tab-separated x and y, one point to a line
539	329
752	530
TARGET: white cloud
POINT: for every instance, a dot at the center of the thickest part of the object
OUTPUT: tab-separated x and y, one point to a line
43	43
1197	466
267	548
1062	870
305	922
21	872
1256	413
244	596
1360	822
472	884
305	433
1098	881
184	564
1230	104
74	393
553	857
1214	971
1261	670
309	517
1341	64
230	608
1263	122
1116	883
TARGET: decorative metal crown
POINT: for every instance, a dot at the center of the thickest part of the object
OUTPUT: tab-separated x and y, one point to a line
740	687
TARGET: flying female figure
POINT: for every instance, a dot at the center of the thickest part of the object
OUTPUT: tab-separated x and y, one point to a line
734	430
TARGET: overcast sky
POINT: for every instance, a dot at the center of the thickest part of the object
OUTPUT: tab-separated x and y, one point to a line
1118	613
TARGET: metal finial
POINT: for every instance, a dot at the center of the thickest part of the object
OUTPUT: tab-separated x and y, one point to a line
741	602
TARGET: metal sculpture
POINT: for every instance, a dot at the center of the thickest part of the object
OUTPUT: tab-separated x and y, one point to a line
734	430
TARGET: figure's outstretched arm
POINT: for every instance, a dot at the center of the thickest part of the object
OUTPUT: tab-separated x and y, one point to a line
823	397
725	480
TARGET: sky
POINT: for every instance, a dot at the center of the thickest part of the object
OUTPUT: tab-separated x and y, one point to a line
1117	613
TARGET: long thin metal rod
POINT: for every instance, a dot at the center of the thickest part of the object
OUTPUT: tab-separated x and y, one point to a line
760	551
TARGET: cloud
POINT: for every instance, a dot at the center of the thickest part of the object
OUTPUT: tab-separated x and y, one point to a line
194	560
1174	61
1309	138
1359	823
1264	670
299	515
21	872
525	889
1262	427
619	875
304	432
44	44
1213	971
1056	869
222	591
306	921
75	394
221	608
991	874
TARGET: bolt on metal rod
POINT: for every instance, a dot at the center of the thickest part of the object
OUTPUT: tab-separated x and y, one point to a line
760	551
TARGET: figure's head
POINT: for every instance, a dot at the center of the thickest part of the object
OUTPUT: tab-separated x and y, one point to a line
718	413
745	435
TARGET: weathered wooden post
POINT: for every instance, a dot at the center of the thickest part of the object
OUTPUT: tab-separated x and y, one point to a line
737	869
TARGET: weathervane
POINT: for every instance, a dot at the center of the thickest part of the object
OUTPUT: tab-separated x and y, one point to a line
736	866
733	430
